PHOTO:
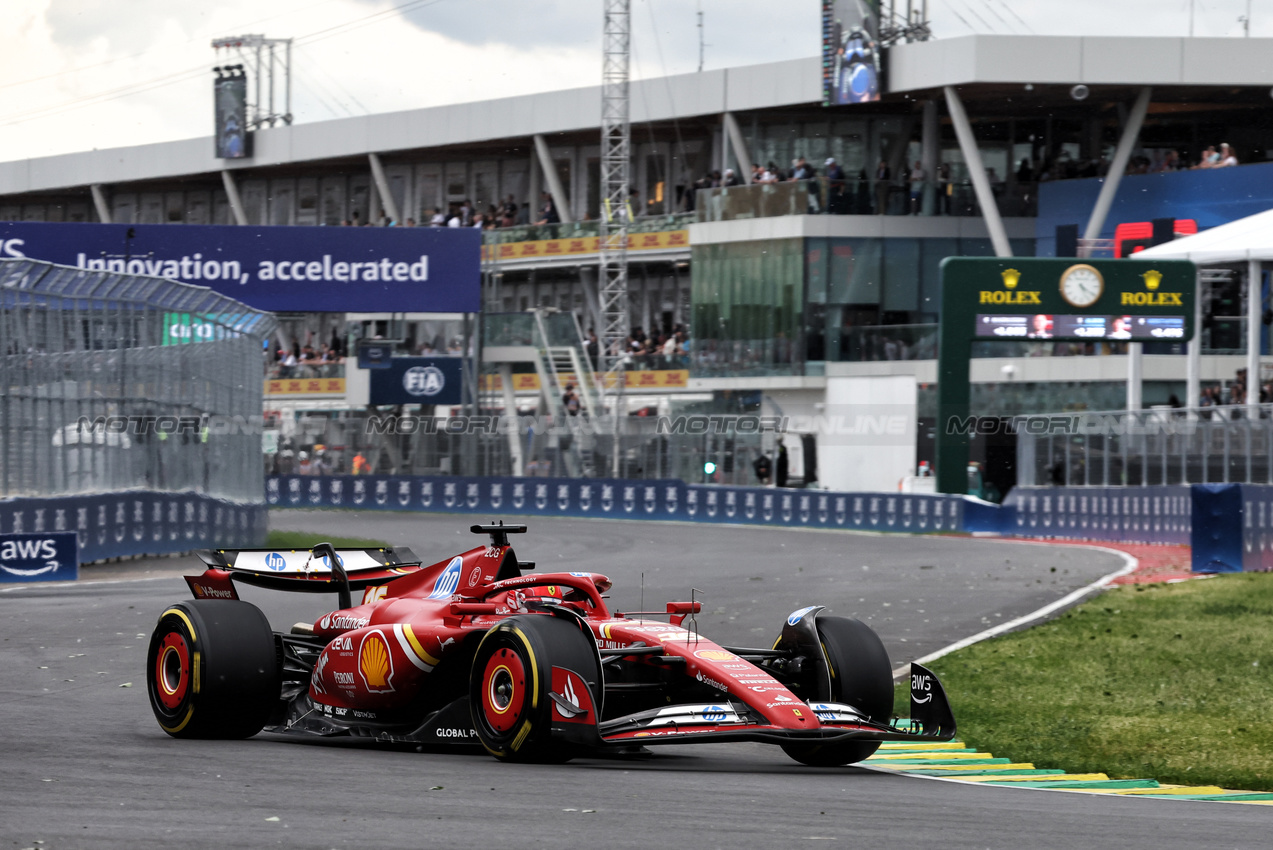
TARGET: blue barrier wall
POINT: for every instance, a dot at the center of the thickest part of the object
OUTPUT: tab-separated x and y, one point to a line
624	499
1160	514
1257	527
139	522
1233	528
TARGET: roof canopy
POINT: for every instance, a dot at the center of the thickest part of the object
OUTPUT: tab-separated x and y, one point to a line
1249	238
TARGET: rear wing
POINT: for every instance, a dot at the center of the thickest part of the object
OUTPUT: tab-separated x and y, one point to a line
309	570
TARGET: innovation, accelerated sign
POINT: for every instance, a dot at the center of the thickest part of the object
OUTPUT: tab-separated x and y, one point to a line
287	269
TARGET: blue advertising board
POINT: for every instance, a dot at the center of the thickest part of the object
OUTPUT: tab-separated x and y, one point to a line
417	380
39	557
137	522
615	498
281	269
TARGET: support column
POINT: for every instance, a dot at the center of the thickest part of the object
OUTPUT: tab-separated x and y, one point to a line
560	199
1254	305
1193	356
1131	130
739	144
1135	369
510	410
382	189
977	172
99	201
236	203
930	154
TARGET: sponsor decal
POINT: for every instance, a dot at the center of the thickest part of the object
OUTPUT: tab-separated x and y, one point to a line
568	693
374	593
375	663
707	680
276	562
797	616
448	580
921	684
475	576
715	655
342	622
464	734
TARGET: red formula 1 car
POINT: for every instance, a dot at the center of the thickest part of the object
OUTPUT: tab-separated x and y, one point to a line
471	651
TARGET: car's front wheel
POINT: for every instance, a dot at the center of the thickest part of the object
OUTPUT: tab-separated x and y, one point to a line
861	676
212	670
511	688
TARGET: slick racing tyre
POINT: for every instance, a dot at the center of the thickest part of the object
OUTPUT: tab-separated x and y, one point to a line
861	676
511	680
212	670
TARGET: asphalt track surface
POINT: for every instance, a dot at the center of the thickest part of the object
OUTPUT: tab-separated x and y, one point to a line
83	763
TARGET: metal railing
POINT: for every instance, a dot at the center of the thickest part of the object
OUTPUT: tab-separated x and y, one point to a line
112	382
857	196
1208	445
583	229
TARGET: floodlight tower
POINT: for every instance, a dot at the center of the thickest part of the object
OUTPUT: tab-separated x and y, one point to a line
262	56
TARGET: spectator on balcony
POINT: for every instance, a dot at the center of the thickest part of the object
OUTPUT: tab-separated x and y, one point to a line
731	179
918	176
883	177
837	201
1227	157
547	210
944	188
1210	158
801	170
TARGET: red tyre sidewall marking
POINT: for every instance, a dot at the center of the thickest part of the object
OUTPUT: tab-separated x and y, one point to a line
173	643
503	661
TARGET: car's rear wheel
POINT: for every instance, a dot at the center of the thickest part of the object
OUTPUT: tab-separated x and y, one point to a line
861	676
212	670
510	688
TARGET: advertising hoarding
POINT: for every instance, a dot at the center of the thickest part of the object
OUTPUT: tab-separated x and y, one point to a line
281	269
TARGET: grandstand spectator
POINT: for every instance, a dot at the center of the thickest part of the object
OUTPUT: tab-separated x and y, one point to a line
731	179
547	210
883	177
1210	158
1227	157
917	187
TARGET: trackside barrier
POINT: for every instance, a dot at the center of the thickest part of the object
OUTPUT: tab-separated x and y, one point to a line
663	499
1233	528
139	522
1156	514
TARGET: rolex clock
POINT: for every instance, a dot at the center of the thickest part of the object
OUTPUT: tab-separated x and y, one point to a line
1081	285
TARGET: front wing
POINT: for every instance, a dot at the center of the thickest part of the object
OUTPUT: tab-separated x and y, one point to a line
731	720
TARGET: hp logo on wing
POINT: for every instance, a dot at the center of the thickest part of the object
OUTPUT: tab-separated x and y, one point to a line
275	561
714	714
444	587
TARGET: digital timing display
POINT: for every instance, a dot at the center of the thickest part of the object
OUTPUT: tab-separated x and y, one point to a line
1057	326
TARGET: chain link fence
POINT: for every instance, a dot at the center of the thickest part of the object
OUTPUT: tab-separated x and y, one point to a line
114	382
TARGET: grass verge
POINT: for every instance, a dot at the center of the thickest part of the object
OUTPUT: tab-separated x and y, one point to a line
279	539
1167	682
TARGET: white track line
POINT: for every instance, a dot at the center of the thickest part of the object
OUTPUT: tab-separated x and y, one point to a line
45	585
1130	564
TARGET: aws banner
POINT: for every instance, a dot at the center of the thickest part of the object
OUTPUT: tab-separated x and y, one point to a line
281	269
39	557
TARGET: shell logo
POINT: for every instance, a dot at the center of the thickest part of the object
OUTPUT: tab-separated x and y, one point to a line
375	663
715	655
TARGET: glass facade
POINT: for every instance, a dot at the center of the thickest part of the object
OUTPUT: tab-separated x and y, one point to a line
747	299
772	307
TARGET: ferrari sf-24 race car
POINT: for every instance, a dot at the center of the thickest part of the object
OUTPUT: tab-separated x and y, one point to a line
472	651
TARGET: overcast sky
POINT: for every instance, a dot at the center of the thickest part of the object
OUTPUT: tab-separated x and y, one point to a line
82	74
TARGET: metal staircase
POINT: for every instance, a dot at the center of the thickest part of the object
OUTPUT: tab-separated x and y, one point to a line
562	360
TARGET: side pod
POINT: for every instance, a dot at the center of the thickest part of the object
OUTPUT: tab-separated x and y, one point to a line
929	705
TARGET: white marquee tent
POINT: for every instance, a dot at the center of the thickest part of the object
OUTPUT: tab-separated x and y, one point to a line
1246	239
